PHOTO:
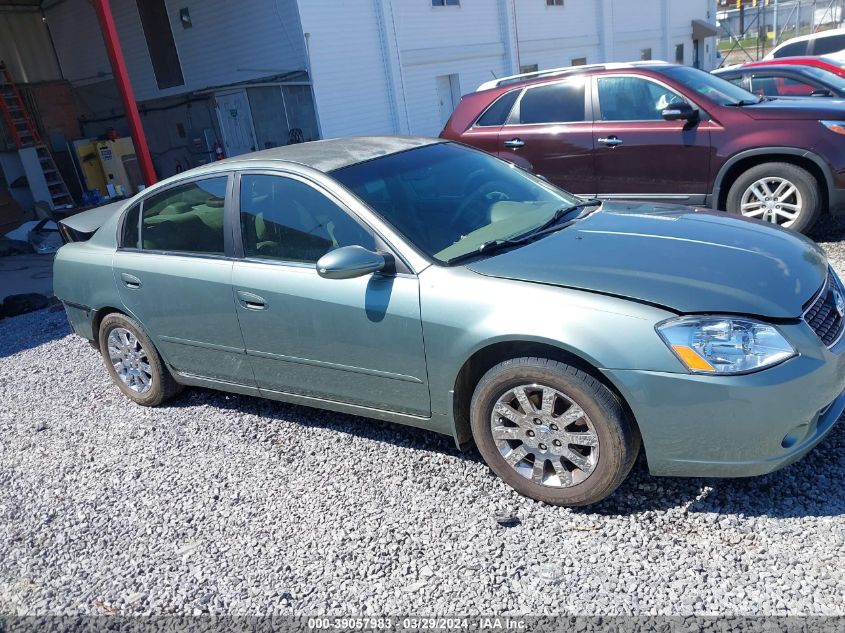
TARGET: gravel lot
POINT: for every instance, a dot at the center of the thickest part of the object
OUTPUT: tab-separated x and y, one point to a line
228	504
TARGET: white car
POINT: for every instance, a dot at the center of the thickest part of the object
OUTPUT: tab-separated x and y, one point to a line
823	43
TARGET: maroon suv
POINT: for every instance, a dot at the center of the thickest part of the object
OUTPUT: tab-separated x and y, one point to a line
664	133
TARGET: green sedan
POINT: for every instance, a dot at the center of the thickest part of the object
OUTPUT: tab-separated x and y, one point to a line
426	283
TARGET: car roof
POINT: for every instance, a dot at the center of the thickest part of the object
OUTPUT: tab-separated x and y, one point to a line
528	78
327	155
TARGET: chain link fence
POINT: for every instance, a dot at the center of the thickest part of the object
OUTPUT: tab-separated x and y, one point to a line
750	29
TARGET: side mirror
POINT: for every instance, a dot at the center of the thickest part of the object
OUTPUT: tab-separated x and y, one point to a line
821	92
349	262
679	112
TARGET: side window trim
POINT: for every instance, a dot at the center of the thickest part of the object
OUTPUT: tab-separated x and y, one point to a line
227	254
513	119
597	98
402	267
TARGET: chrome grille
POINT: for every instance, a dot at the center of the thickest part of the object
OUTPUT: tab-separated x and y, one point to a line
823	314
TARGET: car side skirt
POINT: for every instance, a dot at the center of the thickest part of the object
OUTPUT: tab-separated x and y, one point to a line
437	423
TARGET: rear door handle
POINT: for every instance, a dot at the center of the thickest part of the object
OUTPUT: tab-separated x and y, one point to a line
515	142
251	301
611	141
130	281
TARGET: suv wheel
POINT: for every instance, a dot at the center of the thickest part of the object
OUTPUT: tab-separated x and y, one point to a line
780	193
552	432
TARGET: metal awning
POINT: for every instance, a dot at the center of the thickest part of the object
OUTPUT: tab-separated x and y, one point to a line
702	29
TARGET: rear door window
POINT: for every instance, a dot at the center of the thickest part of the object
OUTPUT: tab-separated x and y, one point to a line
824	45
561	102
186	218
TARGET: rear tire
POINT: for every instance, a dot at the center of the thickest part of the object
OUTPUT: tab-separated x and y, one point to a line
133	362
780	193
564	440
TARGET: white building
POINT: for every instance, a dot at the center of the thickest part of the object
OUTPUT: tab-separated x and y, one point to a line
260	73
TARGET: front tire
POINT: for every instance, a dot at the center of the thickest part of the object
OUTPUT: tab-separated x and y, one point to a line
780	193
133	362
552	432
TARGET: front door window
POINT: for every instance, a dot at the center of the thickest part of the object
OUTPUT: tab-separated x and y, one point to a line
288	220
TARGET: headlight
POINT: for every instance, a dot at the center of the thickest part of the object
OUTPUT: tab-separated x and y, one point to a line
724	345
837	127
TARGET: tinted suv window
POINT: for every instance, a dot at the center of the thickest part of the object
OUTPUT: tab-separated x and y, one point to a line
779	86
831	44
633	99
187	218
498	113
554	103
129	238
286	219
789	50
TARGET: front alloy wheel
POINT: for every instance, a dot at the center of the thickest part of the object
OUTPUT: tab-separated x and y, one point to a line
774	200
545	436
552	432
779	193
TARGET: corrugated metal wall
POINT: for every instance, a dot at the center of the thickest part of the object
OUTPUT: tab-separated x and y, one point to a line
25	47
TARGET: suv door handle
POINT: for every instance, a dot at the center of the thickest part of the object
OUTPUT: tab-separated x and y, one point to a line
130	281
515	142
251	301
611	141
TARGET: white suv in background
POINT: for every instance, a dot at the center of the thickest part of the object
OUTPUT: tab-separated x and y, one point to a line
822	43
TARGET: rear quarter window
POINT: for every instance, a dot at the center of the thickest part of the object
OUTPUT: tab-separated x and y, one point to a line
129	230
790	50
497	113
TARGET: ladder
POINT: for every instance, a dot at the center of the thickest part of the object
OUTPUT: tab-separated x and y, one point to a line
34	153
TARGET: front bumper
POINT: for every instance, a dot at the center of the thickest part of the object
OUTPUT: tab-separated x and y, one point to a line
738	426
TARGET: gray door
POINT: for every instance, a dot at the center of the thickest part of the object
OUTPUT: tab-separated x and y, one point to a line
356	341
178	282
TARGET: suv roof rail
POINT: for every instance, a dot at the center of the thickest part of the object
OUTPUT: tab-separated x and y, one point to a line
565	70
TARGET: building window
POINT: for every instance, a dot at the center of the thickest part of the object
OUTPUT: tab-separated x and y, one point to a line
528	68
554	3
579	61
679	53
645	54
445	3
160	42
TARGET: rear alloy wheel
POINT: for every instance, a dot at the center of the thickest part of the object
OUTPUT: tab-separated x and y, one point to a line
133	362
552	432
779	193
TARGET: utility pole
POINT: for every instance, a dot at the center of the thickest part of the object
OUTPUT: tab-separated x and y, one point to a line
775	24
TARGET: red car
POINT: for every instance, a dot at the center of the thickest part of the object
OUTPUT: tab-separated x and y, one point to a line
834	65
664	133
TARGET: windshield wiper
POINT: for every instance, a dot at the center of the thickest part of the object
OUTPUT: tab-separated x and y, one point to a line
549	226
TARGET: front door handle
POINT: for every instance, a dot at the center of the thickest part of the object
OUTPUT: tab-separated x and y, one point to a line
130	281
515	142
251	301
611	141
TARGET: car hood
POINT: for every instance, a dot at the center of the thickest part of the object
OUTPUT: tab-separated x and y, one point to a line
809	108
688	260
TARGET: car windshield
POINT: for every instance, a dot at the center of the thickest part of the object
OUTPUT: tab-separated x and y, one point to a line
449	200
711	87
